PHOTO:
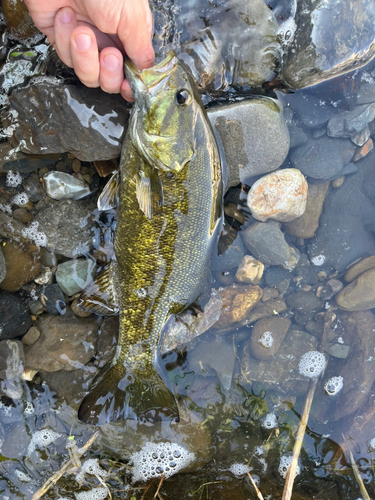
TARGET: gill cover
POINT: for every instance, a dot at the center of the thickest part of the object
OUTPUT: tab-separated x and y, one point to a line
163	118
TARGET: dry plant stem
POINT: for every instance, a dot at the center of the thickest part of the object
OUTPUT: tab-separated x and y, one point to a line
259	494
161	482
289	481
56	476
357	474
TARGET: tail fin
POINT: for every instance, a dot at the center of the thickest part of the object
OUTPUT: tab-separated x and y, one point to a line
120	395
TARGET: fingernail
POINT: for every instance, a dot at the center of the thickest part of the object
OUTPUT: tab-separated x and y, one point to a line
111	62
66	16
83	42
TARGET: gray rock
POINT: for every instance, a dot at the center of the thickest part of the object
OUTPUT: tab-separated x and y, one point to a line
3	266
74	275
231	258
366	93
340	351
349	123
312	111
253	137
57	118
297	136
304	305
361	137
328	41
15	319
266	242
322	158
12	359
33	188
62	186
11	159
53	300
267	335
68	226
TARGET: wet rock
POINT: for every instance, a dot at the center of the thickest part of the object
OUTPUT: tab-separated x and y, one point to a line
361	137
312	111
275	274
61	186
231	258
364	150
328	41
106	167
322	158
36	307
107	340
33	188
78	311
297	136
359	295
250	270
53	300
23	215
245	131
304	305
338	350
31	336
71	386
306	225
12	359
68	226
349	123
9	227
267	335
97	121
3	265
185	327
74	275
21	265
65	343
266	310
18	20
366	93
360	267
266	242
15	319
238	300
279	196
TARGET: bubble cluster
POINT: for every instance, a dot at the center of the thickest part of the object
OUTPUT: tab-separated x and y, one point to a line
266	340
318	260
334	385
41	439
91	466
6	208
31	232
284	464
14	179
156	459
96	494
20	199
269	421
239	470
312	364
371	444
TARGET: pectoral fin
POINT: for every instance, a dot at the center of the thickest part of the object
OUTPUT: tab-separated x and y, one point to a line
110	194
100	295
149	192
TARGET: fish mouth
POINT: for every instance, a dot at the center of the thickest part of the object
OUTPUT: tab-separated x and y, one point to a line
148	78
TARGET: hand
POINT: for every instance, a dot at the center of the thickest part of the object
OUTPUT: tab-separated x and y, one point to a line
92	36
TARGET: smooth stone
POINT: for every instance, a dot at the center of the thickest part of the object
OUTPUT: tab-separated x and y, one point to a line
78	311
266	242
33	188
23	215
238	300
9	227
349	168
267	335
65	343
297	136
250	270
231	258
62	186
3	265
326	41
12	359
68	226
10	159
31	336
306	225
280	196
15	319
266	310
276	274
322	158
73	276
245	132
22	267
36	307
366	93
359	295
53	300
71	386
349	123
304	305
312	112
360	138
360	267
338	350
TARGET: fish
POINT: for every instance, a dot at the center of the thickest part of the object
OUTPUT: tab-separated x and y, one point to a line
169	195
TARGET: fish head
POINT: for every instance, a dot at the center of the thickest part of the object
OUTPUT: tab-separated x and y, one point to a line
164	114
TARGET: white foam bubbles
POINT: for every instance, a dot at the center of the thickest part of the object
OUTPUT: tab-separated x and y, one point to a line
42	438
14	179
266	340
156	459
91	466
95	494
31	232
269	421
318	260
20	199
371	444
284	465
312	364
334	385
239	469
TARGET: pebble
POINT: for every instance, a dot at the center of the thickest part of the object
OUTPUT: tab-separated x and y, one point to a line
266	242
364	150
266	310
33	188
12	359
3	265
304	305
23	215
62	186
360	267
76	165
366	93
106	167
77	310
349	123
267	335
250	270
22	267
36	307
31	336
311	111
15	319
338	350
359	295
238	300
73	276
336	183
306	225
53	300
44	277
361	137
297	136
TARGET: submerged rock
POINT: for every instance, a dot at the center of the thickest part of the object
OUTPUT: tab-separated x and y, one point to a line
53	300
62	186
350	123
250	270
15	319
266	242
22	267
12	359
74	275
359	295
3	265
238	300
267	335
360	267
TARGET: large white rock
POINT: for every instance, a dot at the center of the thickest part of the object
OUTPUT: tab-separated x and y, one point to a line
61	186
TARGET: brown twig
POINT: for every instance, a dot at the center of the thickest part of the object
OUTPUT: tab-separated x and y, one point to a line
259	494
357	474
161	482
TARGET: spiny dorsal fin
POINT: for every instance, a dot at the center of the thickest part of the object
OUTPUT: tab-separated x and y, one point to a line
149	192
100	295
110	194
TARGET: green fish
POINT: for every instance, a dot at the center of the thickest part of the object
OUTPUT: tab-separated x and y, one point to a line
169	194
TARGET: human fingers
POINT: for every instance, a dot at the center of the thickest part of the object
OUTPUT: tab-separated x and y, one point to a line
126	91
85	58
111	70
65	24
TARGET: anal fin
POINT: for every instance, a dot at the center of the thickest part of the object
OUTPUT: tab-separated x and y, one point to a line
109	197
149	192
100	295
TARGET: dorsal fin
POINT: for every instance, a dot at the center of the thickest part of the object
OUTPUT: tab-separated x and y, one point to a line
109	197
100	295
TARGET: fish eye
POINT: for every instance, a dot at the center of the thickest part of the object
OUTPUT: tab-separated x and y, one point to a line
182	97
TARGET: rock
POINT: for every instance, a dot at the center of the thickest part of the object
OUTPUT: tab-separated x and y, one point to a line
297	136
71	386
94	121
31	336
312	111
266	242
15	319
327	41
106	167
306	225
322	158
12	359
360	267
61	186
36	307
74	275
364	150
53	300
78	311
359	295
279	196
349	123
238	300
23	215
267	335
275	274
3	265
266	310
33	188
65	343
10	228
231	258
68	226
22	267
250	270
338	350
304	305
107	340
366	93
18	20
243	131
360	138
